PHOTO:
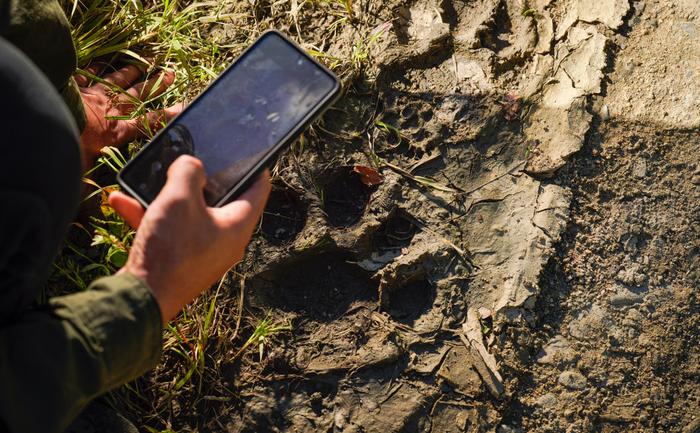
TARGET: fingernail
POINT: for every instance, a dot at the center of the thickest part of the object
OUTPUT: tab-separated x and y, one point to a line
169	76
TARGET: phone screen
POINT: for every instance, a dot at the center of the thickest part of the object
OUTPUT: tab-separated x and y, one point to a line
254	105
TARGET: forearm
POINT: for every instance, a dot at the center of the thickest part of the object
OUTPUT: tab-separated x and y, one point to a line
53	361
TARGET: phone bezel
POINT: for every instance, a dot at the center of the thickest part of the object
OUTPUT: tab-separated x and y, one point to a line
285	141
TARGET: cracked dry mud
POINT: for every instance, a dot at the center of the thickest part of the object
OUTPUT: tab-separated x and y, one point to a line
553	288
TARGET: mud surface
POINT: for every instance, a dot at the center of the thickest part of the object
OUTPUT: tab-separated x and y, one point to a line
617	321
529	261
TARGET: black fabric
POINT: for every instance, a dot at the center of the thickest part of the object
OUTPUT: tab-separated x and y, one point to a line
100	418
40	29
56	357
39	179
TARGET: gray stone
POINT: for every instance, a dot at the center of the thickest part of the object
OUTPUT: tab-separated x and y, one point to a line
547	401
639	170
556	349
625	297
688	28
633	319
630	243
573	380
590	324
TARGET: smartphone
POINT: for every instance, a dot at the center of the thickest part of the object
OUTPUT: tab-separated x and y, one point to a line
256	108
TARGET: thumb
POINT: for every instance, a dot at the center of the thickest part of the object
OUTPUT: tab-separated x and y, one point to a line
185	177
129	208
158	119
249	206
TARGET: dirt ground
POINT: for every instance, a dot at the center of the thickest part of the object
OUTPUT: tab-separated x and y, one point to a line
530	260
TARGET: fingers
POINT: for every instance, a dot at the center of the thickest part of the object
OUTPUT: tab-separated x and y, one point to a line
158	119
152	121
248	207
129	208
185	178
174	110
124	77
153	86
81	80
92	69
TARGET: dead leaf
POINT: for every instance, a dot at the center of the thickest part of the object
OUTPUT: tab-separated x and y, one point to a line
368	175
511	107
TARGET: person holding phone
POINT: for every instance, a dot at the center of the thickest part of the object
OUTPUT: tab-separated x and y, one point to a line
56	356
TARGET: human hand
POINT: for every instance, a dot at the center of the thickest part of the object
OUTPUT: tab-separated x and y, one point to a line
182	246
102	102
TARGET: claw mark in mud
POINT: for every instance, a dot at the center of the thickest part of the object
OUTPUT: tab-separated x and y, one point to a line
424	39
414	299
284	217
429	256
510	35
389	241
322	287
405	127
345	198
395	233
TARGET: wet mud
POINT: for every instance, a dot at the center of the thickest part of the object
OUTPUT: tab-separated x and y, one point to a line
528	261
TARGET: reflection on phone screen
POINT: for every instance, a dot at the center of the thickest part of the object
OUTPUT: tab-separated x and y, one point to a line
252	107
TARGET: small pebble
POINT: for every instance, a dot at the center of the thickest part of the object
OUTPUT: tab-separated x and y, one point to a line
573	380
505	428
547	401
640	169
624	297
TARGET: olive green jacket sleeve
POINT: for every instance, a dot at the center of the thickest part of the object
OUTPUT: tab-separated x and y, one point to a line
40	29
57	356
54	359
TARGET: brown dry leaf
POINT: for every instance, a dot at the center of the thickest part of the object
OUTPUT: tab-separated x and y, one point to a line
511	107
368	175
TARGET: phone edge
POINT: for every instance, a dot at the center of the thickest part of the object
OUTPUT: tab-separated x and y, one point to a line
294	134
245	183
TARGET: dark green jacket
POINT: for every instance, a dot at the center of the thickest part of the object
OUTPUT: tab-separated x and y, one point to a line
55	357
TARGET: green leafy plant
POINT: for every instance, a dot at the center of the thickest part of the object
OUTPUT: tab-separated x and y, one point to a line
261	335
110	230
361	50
527	11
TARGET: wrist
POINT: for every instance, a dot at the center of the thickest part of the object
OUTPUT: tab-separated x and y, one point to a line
156	289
